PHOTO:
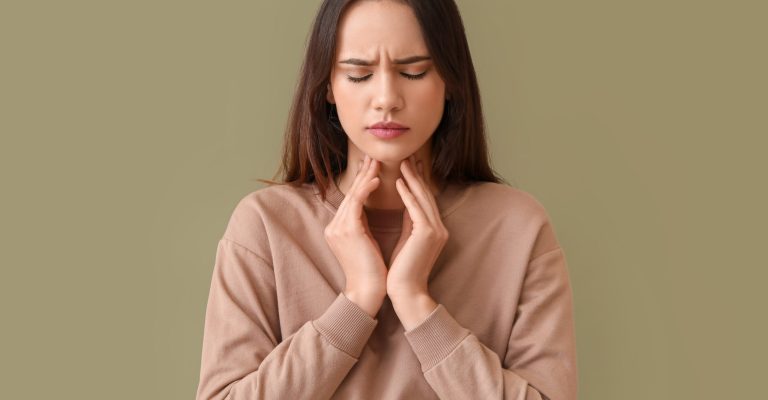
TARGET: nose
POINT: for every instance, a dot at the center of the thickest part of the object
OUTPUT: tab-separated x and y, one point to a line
387	96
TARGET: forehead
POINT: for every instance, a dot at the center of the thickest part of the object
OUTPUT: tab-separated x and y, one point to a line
368	28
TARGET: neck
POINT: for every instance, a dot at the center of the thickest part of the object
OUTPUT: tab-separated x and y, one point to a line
386	195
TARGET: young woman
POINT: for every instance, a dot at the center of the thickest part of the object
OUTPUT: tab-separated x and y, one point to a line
390	263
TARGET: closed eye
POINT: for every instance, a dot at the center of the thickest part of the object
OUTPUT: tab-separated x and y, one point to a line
365	78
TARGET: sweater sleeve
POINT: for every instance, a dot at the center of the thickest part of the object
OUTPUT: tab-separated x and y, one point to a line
540	361
243	356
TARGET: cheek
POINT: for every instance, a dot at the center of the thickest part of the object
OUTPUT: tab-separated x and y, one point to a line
348	103
344	94
433	91
346	99
348	107
430	100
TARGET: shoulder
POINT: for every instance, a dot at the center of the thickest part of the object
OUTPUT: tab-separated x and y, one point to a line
506	200
252	213
274	196
519	212
270	200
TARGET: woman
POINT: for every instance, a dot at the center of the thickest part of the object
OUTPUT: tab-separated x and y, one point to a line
391	263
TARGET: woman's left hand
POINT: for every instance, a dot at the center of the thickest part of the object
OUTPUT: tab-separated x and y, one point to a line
423	235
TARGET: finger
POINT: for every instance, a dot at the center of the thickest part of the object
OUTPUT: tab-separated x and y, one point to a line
360	174
364	219
405	233
417	189
407	224
428	188
415	211
362	165
369	234
370	181
431	197
353	213
417	171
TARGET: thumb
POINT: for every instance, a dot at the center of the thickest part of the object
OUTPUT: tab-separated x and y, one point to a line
404	233
407	224
368	233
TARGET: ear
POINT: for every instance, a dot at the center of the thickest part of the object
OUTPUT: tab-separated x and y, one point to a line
329	95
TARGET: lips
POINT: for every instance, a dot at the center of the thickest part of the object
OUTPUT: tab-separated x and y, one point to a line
387	129
388	125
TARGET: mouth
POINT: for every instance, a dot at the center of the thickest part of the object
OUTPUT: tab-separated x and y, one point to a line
387	129
387	133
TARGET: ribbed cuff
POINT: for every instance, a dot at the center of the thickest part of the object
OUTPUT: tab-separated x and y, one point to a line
435	337
346	326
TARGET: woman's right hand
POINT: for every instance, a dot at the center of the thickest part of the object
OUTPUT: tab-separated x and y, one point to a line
351	242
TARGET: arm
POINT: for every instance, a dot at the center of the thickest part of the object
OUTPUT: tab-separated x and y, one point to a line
540	362
243	356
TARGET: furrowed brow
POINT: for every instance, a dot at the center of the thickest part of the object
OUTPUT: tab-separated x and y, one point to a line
366	63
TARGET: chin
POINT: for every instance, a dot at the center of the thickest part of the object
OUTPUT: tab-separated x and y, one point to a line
390	154
393	152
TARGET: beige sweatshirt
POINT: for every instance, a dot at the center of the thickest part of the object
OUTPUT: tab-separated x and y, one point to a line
277	325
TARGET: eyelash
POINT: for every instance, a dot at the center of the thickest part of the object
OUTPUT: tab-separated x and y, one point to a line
407	76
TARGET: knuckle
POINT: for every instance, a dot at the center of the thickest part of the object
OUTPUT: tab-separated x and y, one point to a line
347	231
444	235
330	233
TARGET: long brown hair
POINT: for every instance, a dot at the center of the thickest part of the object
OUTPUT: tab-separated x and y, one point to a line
315	147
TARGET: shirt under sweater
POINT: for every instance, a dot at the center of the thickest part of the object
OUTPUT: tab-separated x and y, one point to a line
277	325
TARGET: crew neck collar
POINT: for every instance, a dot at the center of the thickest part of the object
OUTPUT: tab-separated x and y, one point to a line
450	197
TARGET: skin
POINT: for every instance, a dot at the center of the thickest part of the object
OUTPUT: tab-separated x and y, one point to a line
387	173
383	31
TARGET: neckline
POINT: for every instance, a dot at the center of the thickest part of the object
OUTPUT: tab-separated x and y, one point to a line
384	220
450	197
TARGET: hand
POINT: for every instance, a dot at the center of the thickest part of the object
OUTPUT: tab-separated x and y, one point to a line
353	245
422	239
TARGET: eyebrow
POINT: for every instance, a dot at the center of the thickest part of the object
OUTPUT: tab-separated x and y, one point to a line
407	60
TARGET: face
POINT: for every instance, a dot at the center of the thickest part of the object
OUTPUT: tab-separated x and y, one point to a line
397	85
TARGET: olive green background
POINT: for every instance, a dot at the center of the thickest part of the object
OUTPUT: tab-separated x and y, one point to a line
131	129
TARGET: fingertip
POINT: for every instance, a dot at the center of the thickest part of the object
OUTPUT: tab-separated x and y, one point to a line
373	184
398	183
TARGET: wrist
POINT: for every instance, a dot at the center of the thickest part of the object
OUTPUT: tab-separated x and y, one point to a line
413	309
407	292
369	301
